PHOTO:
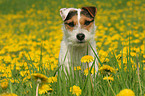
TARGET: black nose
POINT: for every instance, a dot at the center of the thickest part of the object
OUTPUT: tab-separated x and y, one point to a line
80	36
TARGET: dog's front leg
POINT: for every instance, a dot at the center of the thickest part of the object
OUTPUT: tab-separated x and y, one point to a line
63	58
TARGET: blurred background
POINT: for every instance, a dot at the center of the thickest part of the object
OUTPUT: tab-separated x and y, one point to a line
30	33
34	27
28	25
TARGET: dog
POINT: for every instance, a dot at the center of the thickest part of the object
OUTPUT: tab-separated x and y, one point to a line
78	30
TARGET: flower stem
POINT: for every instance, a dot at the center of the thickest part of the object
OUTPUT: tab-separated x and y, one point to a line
111	87
37	89
90	77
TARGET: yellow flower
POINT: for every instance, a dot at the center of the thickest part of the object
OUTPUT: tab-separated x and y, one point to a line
38	76
87	59
126	92
108	78
76	90
27	78
144	68
77	68
4	83
45	88
8	94
86	71
106	69
52	79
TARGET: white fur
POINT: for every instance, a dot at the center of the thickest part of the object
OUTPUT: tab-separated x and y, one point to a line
79	16
71	51
64	12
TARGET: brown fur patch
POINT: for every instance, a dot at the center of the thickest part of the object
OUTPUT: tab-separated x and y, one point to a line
91	10
83	21
70	15
73	20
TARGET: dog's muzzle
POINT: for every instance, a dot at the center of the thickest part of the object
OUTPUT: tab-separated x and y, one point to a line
80	37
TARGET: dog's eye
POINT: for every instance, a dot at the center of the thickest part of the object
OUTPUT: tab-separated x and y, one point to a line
88	22
71	24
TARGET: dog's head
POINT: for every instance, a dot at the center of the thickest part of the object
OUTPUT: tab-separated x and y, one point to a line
79	26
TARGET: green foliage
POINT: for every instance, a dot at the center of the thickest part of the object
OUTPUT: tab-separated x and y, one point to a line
30	36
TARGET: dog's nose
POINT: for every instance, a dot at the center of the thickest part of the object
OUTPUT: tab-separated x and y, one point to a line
80	36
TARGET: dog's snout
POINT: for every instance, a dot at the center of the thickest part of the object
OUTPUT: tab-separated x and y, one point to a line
80	36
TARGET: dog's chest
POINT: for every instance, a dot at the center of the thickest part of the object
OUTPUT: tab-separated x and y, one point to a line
75	54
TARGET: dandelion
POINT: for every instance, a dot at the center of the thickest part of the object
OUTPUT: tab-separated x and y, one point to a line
144	68
76	90
106	69
108	78
87	59
8	94
40	77
45	88
52	79
26	78
126	92
4	84
77	68
86	71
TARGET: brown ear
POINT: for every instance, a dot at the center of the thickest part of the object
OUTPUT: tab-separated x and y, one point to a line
92	10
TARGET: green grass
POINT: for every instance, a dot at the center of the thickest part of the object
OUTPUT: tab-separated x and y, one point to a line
30	42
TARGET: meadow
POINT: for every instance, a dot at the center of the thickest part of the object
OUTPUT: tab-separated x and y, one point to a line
30	37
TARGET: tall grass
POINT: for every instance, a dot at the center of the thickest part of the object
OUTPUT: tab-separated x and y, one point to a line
30	36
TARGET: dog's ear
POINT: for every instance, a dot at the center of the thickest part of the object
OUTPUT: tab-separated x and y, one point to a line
64	12
91	10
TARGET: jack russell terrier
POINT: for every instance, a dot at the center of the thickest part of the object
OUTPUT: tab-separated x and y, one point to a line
79	31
